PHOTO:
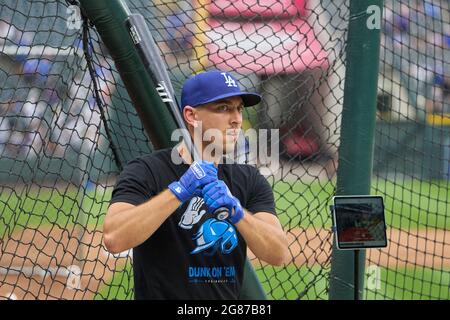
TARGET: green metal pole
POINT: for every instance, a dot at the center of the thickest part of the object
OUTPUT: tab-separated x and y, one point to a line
357	131
251	287
108	16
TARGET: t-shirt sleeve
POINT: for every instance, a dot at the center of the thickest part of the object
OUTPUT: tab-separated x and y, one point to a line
261	195
135	185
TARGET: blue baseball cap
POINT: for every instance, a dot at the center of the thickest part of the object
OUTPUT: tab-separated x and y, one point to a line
214	85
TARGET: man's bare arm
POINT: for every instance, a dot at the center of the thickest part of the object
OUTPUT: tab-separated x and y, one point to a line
127	226
265	237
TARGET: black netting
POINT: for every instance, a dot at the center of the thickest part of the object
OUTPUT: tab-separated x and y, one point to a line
412	160
67	125
58	164
293	54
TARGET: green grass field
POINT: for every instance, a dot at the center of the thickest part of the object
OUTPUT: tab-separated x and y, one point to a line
118	287
412	284
43	207
311	284
403	283
414	204
410	204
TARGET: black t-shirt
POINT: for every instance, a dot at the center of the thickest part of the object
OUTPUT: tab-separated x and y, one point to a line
191	255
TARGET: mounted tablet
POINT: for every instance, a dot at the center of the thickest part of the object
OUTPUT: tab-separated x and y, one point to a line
359	222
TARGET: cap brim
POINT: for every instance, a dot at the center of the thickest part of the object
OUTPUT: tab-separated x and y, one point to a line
249	98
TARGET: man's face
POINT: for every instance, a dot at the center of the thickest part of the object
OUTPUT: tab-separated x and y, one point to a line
225	116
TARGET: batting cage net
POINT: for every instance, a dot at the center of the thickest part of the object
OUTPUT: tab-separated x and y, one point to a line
411	157
68	126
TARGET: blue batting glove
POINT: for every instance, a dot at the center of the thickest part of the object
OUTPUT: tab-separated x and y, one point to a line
199	174
217	195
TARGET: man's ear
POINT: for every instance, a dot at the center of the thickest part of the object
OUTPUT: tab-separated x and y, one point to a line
190	116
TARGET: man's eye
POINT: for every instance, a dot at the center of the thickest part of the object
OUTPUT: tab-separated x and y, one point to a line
223	108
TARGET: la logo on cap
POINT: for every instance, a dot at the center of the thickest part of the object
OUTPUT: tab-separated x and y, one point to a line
229	80
214	85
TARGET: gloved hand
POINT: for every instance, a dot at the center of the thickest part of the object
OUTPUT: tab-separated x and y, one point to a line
216	195
199	174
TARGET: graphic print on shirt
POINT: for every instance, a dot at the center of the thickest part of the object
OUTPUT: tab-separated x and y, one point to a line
193	214
214	235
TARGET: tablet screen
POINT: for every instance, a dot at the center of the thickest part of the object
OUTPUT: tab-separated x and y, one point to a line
359	222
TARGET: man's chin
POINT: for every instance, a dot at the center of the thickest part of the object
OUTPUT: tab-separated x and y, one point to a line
229	148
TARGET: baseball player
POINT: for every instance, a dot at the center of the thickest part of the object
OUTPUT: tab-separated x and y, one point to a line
165	211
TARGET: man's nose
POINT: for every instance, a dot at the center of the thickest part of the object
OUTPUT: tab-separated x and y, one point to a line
236	116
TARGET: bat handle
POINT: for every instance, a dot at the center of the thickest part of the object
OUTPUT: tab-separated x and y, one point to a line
221	213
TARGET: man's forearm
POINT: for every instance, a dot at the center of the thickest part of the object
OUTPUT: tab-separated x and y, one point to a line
266	241
129	228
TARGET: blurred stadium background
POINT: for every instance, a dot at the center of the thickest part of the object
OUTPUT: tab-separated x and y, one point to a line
67	126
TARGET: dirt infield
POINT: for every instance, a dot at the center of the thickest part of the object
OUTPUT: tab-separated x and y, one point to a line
27	255
428	248
30	253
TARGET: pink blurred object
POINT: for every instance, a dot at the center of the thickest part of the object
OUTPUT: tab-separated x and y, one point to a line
298	144
301	6
265	48
252	8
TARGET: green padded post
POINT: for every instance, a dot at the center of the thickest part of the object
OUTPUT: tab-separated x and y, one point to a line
357	130
108	16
